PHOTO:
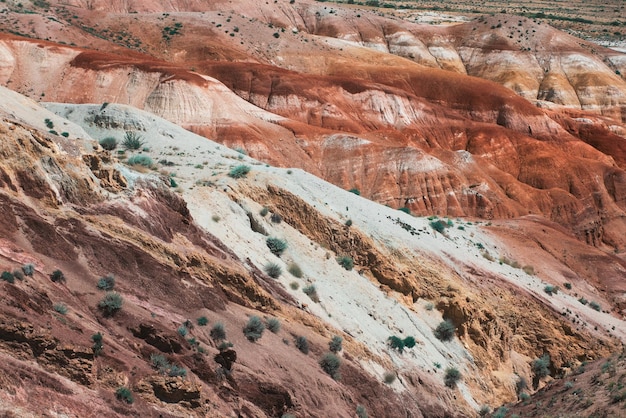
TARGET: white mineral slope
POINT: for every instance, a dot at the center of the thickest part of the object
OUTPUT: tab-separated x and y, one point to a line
349	301
19	108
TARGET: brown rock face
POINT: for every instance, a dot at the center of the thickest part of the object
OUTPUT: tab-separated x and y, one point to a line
172	390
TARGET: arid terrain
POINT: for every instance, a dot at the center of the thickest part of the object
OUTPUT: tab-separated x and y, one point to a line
275	209
597	21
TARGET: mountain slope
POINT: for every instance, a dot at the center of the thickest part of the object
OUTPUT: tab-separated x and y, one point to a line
406	279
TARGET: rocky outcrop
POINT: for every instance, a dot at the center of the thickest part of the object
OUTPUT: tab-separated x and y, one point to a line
171	390
24	341
164	343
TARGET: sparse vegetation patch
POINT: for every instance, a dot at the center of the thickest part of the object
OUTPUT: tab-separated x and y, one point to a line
239	171
330	363
132	141
451	377
111	303
277	246
254	328
106	283
445	330
273	270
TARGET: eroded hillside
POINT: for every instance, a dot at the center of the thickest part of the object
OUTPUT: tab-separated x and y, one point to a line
506	133
201	251
362	99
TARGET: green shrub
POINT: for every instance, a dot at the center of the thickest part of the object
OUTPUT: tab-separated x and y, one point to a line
396	343
295	270
218	332
132	140
264	211
140	159
254	328
330	363
202	321
549	289
355	191
182	331
109	143
346	262
501	412
541	366
175	371
18	274
524	396
106	283
276	218
302	344
7	276
273	324
439	226
57	276
124	394
451	377
311	292
111	303
361	412
60	308
335	344
224	345
583	301
277	246
568	286
348	222
389	377
239	171
160	363
97	346
294	285
445	330
28	269
273	270
405	210
409	342
595	306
